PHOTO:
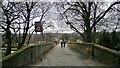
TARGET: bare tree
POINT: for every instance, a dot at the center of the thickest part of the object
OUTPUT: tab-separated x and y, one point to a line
25	18
85	16
9	15
30	11
41	11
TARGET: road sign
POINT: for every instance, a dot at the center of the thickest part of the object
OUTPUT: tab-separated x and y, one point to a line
38	27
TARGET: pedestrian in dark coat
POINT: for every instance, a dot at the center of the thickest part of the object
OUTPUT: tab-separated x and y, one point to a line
61	43
64	43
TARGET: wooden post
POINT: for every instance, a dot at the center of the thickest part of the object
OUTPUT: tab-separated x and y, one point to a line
42	40
36	48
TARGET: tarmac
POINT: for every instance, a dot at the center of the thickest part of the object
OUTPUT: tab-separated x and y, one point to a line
58	56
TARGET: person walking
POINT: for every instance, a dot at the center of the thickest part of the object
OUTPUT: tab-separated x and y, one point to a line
61	41
64	43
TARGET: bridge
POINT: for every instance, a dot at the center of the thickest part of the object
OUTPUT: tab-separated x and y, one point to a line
86	55
58	56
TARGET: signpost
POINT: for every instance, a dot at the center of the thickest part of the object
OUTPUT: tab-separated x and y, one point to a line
39	28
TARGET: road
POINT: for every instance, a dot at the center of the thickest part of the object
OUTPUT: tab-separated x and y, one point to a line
64	57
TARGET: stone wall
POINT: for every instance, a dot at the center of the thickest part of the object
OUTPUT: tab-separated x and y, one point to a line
97	52
26	55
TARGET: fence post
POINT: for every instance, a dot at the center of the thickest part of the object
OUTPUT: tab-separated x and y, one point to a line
92	51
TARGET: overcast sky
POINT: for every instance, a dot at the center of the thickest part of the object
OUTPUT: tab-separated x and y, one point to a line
59	26
59	0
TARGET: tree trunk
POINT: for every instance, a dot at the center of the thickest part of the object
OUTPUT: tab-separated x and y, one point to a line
9	41
20	45
88	30
22	42
94	35
8	50
30	35
88	36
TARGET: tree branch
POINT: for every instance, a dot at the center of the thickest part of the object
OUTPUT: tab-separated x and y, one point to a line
105	13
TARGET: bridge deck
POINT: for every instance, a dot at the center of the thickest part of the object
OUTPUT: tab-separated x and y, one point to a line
64	57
